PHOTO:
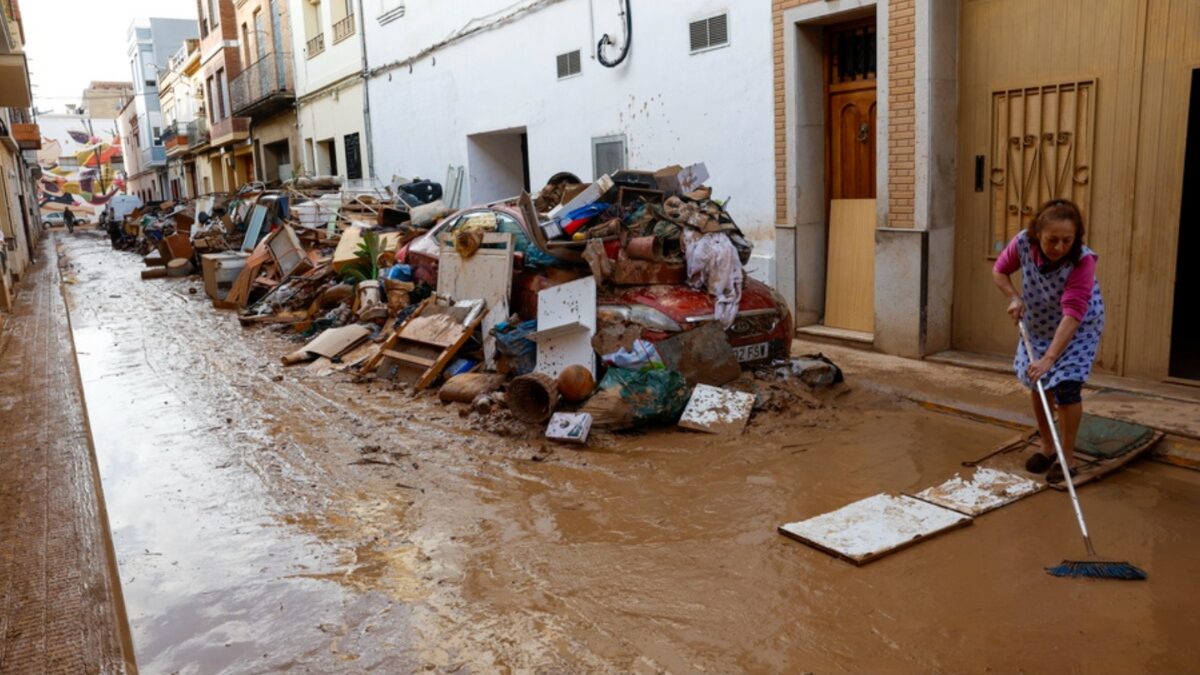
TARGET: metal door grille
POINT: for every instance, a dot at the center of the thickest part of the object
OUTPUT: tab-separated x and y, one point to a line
1041	149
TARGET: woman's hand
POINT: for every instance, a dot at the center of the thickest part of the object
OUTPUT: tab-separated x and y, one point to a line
1039	368
1016	308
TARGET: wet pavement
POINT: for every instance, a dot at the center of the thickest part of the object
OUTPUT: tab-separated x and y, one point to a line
60	604
273	519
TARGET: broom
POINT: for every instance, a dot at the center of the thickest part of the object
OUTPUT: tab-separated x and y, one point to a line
1094	569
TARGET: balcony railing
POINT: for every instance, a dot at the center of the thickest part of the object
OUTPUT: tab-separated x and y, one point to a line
343	29
28	136
175	138
230	129
263	86
315	45
198	133
153	156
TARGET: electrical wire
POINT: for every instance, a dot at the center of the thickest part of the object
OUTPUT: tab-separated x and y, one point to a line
606	40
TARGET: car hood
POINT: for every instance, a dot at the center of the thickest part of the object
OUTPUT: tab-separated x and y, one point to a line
682	302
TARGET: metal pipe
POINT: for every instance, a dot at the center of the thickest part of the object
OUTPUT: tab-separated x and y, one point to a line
362	27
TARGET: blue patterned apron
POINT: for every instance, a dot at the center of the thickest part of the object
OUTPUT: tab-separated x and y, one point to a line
1043	312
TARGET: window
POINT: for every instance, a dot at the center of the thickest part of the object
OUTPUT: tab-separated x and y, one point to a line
353	157
246	45
211	102
214	17
223	93
157	137
260	48
568	64
608	155
709	33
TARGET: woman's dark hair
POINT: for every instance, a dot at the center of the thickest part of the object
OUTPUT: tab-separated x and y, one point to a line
1055	210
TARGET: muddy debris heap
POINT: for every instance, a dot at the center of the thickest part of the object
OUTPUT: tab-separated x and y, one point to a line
617	304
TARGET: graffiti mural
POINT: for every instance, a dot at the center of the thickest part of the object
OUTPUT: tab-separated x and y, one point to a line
79	173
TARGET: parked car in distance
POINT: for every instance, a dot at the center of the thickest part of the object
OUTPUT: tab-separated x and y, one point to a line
52	219
762	330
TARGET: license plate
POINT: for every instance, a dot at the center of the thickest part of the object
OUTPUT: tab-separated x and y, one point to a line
752	352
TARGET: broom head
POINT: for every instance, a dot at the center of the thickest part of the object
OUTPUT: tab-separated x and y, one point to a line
1091	569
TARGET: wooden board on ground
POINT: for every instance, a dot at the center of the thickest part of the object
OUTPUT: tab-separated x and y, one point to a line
717	411
1010	457
986	490
486	275
871	528
850	276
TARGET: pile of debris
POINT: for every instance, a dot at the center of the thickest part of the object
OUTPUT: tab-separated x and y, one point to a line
615	304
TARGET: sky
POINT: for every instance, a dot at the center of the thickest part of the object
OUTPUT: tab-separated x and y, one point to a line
69	43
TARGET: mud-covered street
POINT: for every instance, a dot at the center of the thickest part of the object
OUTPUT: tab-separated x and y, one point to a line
271	519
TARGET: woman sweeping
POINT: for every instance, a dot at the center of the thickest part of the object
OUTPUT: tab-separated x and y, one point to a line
1063	311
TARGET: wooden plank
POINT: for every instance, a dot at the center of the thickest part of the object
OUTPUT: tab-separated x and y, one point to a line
409	358
850	281
436	369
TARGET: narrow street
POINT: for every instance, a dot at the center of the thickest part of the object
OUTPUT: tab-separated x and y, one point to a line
271	519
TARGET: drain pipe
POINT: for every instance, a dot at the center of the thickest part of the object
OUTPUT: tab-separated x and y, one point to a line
366	77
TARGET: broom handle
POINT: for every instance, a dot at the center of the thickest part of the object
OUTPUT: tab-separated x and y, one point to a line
1062	458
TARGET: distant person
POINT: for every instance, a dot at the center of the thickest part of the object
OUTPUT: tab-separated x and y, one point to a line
1064	313
69	219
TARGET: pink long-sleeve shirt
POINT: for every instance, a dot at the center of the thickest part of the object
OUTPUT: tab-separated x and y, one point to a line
1078	291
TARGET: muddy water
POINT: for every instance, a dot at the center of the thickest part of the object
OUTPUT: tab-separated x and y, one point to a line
270	519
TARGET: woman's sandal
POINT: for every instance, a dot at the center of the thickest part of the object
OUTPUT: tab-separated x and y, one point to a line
1056	474
1038	463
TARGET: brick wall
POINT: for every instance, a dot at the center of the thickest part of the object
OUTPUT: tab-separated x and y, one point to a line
901	112
901	116
778	7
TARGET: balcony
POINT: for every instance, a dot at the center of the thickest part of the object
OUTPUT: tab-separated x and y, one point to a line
315	46
153	157
27	136
175	139
343	29
229	130
264	88
197	134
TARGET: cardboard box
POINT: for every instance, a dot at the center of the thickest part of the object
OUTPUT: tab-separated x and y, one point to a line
569	427
678	180
347	247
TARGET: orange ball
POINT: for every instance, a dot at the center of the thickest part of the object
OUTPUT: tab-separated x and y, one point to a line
575	383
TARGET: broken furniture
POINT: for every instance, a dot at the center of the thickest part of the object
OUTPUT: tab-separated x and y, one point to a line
566	324
220	270
421	348
486	274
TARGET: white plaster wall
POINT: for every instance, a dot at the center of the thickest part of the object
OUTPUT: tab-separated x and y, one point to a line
335	116
672	106
337	61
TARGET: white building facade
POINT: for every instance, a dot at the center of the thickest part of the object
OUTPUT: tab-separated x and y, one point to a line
327	44
517	94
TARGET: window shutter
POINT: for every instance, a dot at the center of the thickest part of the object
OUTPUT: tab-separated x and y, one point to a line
568	64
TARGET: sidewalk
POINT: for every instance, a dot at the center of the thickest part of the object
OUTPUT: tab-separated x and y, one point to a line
60	605
977	387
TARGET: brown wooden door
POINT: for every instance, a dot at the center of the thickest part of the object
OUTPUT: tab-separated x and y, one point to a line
850	261
852	144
